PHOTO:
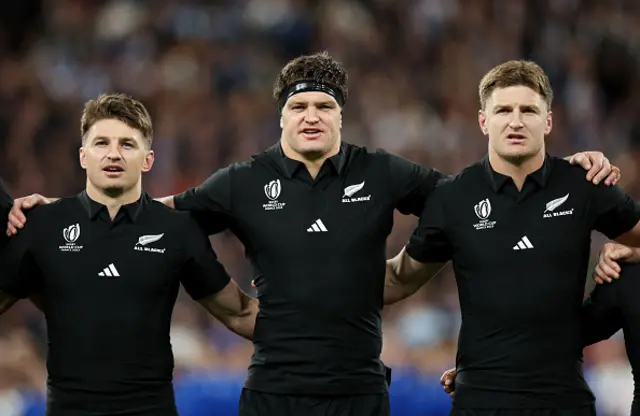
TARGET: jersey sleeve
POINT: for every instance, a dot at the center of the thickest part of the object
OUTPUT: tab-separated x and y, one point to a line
601	317
613	212
210	202
5	206
412	184
202	274
19	272
5	201
429	242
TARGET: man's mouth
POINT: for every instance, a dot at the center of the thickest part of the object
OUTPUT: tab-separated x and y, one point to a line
113	170
311	133
516	137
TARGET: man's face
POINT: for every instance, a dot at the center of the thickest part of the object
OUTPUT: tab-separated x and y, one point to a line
114	156
516	119
311	124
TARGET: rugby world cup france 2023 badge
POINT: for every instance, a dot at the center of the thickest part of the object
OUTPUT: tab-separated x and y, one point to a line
272	190
483	211
71	234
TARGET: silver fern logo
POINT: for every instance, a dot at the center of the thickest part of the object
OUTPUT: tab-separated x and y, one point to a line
148	239
71	234
272	189
144	240
551	206
349	191
483	211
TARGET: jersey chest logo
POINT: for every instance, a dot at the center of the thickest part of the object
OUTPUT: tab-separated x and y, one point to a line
71	234
483	211
552	208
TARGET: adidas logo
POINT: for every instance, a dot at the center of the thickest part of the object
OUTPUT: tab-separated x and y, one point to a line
317	227
109	271
523	244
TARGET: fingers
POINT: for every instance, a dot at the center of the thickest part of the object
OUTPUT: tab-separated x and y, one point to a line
17	219
448	381
604	273
582	160
619	252
608	268
614	176
604	171
597	162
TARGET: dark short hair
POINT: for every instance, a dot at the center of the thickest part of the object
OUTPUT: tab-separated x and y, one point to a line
516	73
120	107
319	67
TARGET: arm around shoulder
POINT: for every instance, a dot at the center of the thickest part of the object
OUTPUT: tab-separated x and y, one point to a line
234	308
404	276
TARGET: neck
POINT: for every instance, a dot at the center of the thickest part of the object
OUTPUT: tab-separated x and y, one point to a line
112	203
313	164
517	170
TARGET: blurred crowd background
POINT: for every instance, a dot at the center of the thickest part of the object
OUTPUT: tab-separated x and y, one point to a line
205	70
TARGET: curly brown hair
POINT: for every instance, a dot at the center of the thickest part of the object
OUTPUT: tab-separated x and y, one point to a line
516	73
120	107
319	67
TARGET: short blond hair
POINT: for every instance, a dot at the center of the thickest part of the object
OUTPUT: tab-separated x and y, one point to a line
516	73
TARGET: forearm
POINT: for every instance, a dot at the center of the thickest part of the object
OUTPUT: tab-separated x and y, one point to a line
234	308
244	323
404	276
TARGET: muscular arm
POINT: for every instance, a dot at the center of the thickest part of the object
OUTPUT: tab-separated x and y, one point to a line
405	276
235	309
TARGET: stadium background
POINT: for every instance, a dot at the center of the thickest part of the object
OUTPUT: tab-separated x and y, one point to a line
205	70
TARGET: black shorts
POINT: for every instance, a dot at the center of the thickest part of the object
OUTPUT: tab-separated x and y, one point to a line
589	410
61	411
257	403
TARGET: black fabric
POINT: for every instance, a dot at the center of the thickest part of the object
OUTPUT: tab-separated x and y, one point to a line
572	411
5	206
108	289
256	403
520	259
318	252
306	86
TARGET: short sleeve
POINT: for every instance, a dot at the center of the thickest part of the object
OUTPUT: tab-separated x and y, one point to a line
430	243
601	317
613	212
412	184
202	274
210	202
5	200
19	272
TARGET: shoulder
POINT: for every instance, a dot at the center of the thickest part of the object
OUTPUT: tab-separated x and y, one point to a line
562	167
180	221
169	216
574	176
470	175
63	207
